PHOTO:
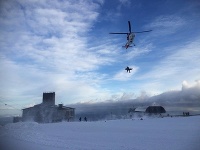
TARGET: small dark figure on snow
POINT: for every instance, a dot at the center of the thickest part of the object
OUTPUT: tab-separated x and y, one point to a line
85	119
80	119
186	113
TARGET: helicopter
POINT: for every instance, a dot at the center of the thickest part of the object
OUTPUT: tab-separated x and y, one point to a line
130	35
128	69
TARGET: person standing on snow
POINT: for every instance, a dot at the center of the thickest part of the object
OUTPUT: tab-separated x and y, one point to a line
85	119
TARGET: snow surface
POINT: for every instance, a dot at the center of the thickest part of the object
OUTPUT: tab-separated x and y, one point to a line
176	133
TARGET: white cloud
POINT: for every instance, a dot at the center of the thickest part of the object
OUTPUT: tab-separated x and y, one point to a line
101	2
186	85
22	84
167	21
50	34
182	64
137	51
44	48
166	24
125	2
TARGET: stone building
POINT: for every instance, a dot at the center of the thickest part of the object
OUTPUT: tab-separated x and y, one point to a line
47	111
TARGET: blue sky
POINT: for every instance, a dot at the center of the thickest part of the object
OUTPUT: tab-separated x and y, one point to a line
65	46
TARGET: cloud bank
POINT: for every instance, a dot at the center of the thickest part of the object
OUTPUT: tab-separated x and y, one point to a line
175	102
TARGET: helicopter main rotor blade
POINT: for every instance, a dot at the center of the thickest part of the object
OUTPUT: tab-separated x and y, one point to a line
129	26
143	31
119	33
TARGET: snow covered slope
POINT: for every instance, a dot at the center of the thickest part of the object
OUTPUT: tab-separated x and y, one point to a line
177	133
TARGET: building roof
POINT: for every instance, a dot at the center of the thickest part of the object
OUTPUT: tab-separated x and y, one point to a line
52	106
155	109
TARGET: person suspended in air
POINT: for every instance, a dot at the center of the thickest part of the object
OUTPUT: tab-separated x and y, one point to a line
128	69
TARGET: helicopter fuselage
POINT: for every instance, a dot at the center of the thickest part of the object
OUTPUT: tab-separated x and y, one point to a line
130	38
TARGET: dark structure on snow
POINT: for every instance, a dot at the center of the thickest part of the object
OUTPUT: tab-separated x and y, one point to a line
155	109
47	111
17	119
48	98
